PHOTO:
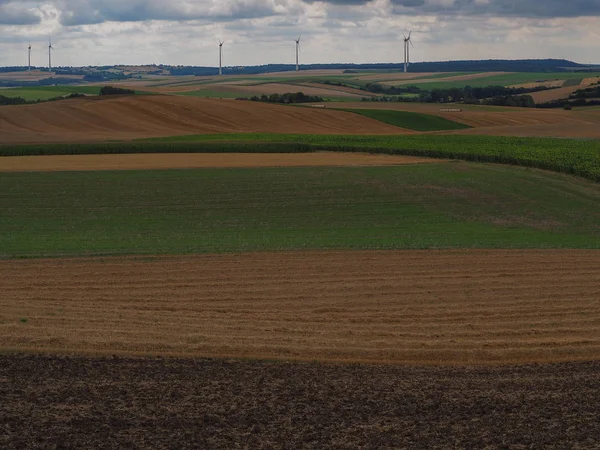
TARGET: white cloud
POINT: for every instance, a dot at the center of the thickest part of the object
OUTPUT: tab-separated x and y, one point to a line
88	32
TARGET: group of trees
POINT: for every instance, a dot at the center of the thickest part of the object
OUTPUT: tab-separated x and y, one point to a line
488	95
12	100
522	101
112	90
297	97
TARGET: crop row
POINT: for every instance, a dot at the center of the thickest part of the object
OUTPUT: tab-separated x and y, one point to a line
577	157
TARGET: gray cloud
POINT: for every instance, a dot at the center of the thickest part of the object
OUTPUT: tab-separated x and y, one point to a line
15	13
82	12
510	8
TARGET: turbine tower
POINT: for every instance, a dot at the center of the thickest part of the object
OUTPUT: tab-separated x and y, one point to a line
407	44
221	56
29	58
50	48
297	53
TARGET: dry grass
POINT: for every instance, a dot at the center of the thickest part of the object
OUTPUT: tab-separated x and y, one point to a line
199	160
418	307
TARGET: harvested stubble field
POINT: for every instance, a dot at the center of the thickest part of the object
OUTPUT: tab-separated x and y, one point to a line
417	307
172	403
153	161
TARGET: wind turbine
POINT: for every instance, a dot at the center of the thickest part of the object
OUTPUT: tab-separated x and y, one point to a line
221	56
50	48
297	52
29	58
407	44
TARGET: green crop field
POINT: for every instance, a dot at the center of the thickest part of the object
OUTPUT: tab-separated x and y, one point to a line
572	156
31	95
572	82
43	93
410	120
48	92
440	205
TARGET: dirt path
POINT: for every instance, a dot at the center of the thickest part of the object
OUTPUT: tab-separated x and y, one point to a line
50	402
199	160
431	307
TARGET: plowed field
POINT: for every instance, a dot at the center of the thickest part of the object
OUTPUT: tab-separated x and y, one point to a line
50	402
199	160
418	307
146	116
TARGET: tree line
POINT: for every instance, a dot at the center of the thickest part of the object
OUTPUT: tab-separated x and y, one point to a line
296	97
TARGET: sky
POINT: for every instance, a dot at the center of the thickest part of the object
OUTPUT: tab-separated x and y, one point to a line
186	32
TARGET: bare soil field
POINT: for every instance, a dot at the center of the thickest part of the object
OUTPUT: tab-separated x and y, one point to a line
56	402
130	117
199	160
411	307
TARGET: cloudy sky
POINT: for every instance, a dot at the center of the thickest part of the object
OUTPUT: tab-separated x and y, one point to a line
91	32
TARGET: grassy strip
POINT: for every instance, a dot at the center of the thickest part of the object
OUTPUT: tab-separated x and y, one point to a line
440	205
576	157
572	82
410	120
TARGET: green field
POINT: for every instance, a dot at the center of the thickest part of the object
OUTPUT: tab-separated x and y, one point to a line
48	92
572	156
43	93
441	205
410	120
572	82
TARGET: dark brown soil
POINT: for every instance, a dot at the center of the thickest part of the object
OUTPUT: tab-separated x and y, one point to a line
60	402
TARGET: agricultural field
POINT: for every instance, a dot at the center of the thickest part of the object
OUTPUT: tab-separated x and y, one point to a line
181	270
437	205
312	81
410	120
428	307
504	79
48	92
173	403
97	119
